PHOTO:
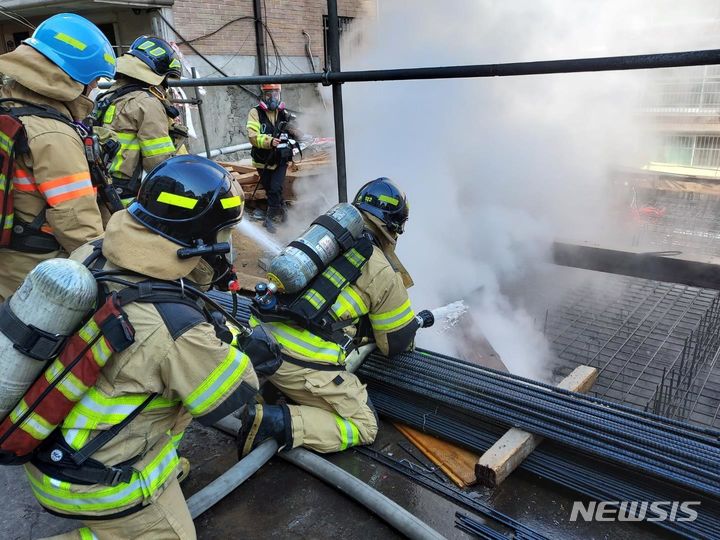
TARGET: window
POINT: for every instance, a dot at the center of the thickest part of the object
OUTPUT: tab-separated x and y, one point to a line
691	150
694	90
344	24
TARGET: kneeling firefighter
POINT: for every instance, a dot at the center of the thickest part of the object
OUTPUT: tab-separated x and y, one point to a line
113	462
360	293
138	109
47	203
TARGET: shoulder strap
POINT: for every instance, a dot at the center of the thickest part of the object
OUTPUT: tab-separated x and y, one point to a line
313	303
34	109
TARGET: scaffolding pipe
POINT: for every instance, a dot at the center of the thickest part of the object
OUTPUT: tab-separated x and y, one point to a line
201	114
227	150
541	67
334	56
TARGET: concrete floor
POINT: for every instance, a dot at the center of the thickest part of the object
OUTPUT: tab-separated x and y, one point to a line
281	501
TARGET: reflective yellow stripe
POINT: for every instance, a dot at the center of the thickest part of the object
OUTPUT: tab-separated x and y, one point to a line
221	380
334	277
177	200
389	200
59	496
6	143
70	41
175	63
391	320
155	147
146	45
70	386
231	202
305	343
87	534
176	439
109	115
34	425
354	258
157	51
349	434
316	299
255	126
109	59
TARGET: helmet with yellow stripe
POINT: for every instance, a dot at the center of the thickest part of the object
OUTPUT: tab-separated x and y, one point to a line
189	200
158	55
76	46
384	200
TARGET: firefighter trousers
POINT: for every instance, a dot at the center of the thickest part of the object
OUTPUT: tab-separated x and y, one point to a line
166	517
332	411
273	181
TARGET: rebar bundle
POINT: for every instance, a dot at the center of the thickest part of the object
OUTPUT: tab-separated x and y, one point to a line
603	450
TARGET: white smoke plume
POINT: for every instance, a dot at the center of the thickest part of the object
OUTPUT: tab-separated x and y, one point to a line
495	169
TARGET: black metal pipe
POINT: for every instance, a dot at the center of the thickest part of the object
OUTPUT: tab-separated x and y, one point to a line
201	115
512	69
334	55
259	38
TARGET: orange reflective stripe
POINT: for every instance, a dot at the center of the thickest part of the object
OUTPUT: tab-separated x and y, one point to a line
23	181
67	188
58	182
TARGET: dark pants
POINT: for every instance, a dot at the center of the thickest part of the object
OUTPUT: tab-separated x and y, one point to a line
273	181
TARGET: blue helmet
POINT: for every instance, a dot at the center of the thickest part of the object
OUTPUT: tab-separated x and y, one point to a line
76	46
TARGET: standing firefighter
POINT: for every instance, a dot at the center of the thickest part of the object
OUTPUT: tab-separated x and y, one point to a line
155	257
333	411
138	110
268	128
49	205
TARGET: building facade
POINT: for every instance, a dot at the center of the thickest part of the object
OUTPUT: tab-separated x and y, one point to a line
216	37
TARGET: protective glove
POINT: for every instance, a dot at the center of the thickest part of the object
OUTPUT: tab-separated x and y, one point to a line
425	318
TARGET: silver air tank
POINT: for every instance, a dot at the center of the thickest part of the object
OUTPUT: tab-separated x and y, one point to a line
54	297
292	269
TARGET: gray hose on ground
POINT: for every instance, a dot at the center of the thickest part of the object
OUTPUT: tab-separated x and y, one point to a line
234	476
394	514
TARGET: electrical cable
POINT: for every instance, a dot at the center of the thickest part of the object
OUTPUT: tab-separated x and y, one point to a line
201	55
17	18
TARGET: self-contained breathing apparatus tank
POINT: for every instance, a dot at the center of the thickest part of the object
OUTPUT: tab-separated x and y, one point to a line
50	304
293	269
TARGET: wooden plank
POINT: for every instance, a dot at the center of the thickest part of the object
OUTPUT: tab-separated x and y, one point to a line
457	463
512	448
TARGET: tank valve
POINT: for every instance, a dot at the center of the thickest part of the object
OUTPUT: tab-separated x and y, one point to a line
265	296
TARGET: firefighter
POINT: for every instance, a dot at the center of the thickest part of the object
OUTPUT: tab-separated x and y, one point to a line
55	208
332	410
137	108
176	365
269	126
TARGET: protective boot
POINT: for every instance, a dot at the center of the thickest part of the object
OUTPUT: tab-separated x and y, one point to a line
271	217
283	212
263	422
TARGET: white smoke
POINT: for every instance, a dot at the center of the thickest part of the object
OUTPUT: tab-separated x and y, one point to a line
495	169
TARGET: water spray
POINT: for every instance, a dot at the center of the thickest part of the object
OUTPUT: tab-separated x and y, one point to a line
259	236
448	316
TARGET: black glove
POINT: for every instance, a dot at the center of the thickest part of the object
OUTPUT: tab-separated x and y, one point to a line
426	318
263	350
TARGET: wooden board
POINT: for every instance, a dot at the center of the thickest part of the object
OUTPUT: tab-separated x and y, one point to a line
511	449
456	462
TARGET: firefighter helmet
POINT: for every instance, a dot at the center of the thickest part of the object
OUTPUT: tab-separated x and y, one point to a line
384	200
76	46
188	199
158	55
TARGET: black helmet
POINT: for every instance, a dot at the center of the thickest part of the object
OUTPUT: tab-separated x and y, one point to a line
158	55
382	199
188	199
